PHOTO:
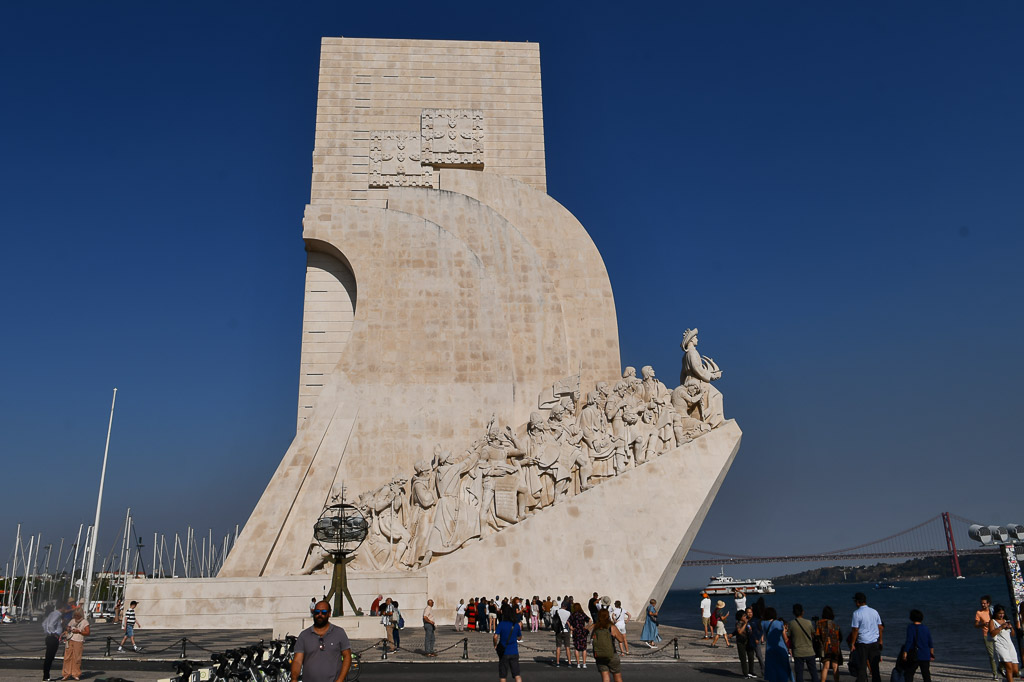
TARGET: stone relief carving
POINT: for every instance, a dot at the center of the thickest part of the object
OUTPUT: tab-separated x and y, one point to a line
504	477
396	160
452	137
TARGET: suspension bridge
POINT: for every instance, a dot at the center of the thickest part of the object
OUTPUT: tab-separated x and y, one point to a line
942	535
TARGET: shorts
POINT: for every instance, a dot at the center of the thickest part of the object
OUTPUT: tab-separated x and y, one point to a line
563	638
705	622
508	664
129	631
720	628
608	665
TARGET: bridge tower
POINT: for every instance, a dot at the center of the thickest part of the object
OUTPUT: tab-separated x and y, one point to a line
951	545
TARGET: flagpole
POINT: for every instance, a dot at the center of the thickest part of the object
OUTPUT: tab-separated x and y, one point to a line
99	503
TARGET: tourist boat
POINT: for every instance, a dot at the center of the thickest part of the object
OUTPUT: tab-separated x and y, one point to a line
723	584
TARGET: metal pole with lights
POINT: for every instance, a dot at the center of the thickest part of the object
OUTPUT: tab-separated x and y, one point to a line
1006	537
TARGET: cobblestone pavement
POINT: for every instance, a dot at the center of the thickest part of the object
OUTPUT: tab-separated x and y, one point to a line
469	655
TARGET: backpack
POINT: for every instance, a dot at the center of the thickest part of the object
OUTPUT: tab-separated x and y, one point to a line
714	618
556	624
603	644
401	621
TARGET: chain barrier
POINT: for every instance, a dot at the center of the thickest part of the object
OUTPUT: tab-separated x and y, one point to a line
674	641
464	642
197	645
363	651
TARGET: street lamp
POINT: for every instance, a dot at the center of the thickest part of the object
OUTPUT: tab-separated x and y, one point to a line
340	530
1006	537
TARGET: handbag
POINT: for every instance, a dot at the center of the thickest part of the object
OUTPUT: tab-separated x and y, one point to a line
912	651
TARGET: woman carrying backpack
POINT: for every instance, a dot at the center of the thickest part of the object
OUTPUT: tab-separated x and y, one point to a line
603	632
718	618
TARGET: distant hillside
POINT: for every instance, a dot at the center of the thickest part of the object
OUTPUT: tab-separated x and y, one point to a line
915	569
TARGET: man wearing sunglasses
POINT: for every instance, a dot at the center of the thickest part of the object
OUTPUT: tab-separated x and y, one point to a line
322	651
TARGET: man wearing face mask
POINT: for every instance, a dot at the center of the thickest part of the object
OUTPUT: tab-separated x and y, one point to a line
322	651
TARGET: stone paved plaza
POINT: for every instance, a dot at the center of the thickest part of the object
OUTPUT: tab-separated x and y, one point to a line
21	652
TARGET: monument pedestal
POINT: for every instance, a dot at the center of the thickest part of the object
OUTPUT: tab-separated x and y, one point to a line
625	538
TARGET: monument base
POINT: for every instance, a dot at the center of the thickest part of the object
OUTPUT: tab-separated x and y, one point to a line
280	603
639	526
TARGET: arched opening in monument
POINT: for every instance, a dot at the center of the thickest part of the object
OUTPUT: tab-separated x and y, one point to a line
329	306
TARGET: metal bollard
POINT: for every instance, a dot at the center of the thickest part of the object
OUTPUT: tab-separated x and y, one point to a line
465	648
109	639
383	649
183	641
675	648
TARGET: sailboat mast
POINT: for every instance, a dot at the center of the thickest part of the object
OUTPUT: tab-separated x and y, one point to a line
99	504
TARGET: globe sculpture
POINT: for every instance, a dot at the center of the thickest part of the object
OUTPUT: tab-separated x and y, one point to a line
340	530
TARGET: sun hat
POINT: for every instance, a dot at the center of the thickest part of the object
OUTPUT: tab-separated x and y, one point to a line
720	604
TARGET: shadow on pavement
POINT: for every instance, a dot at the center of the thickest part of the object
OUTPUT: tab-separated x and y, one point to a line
720	672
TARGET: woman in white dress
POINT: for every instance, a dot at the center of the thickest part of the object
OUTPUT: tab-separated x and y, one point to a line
620	617
1002	636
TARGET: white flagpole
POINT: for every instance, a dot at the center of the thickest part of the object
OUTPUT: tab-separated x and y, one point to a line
99	503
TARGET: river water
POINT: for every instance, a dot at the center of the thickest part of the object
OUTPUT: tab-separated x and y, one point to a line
948	606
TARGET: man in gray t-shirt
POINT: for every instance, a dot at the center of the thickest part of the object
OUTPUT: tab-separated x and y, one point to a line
322	652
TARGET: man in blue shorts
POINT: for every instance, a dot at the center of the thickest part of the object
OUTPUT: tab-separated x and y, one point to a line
129	627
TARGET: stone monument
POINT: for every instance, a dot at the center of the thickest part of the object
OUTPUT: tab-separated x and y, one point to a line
459	377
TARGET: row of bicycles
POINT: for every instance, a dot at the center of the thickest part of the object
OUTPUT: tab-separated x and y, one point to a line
263	662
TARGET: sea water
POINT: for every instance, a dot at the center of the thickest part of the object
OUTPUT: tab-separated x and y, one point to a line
948	606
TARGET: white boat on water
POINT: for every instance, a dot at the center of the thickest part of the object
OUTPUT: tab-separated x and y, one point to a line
723	584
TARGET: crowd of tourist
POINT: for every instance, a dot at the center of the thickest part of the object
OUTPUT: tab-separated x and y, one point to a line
785	649
600	625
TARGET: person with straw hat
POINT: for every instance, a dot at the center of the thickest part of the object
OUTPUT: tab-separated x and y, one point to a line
718	619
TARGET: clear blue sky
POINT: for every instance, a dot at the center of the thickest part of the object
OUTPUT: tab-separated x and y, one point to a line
831	192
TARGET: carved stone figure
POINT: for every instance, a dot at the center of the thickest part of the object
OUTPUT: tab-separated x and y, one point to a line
687	400
375	554
569	438
596	438
697	374
388	505
444	535
421	501
658	399
537	441
495	467
620	411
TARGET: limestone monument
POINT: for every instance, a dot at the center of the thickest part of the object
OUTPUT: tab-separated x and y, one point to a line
459	377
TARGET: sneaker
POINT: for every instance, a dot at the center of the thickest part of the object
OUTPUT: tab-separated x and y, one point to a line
120	648
137	648
584	665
